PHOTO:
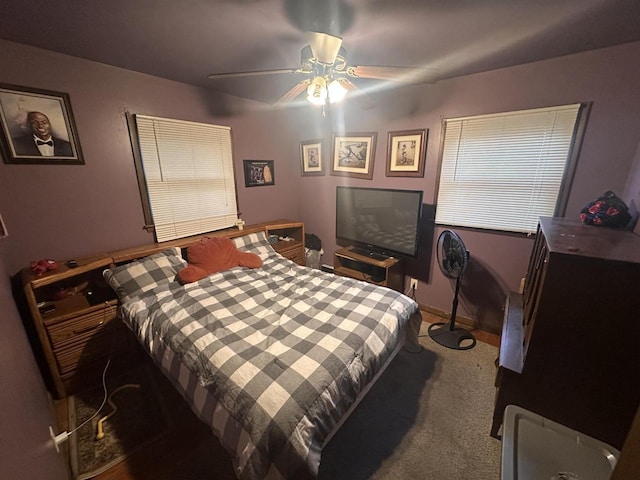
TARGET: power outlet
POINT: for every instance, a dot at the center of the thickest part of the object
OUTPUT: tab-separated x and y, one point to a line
413	283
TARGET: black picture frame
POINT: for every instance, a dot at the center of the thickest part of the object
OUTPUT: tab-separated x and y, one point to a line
258	173
23	109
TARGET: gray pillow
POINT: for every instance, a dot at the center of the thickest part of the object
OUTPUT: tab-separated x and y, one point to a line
131	280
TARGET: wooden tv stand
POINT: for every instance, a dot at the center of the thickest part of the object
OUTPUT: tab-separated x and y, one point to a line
387	273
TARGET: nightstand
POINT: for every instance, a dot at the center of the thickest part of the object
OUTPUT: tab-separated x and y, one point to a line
74	314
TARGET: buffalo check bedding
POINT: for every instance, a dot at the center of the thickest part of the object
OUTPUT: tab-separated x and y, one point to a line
271	358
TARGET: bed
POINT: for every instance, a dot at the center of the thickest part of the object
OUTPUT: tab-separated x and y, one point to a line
274	358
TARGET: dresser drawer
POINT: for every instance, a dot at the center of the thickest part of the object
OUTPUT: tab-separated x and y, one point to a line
96	349
296	256
293	250
79	329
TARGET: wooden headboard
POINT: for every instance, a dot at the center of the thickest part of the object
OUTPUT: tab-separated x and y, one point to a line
122	256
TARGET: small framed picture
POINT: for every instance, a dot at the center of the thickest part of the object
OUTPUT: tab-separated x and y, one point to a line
37	127
311	158
353	155
258	173
406	153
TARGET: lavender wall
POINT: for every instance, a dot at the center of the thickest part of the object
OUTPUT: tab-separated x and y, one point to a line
608	78
64	211
26	449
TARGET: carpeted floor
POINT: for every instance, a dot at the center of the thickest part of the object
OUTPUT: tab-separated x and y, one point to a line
427	417
135	418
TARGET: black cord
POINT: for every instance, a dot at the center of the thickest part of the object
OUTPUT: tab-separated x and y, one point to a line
411	292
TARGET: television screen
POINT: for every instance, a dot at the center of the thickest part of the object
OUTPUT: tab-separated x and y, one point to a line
379	220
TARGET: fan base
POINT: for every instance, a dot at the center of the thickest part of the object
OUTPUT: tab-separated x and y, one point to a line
456	338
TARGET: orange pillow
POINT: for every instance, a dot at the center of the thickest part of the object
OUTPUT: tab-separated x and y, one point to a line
212	255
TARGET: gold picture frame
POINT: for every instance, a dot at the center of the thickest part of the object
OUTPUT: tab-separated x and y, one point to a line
353	155
406	153
312	161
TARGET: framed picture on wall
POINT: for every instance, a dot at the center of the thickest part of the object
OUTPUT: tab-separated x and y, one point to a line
311	158
258	173
37	127
353	155
406	153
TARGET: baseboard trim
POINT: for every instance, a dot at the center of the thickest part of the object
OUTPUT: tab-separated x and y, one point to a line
461	319
466	322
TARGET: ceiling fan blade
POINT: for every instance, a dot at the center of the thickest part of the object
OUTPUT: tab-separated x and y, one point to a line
394	74
293	92
324	47
365	100
346	83
255	73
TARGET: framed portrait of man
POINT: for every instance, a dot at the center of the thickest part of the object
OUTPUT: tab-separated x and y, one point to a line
37	127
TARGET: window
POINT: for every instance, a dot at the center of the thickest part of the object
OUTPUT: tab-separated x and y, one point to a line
503	171
185	173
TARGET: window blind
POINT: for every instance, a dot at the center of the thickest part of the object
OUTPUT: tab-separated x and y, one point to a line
188	170
503	171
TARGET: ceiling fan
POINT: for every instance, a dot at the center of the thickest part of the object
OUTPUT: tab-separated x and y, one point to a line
328	74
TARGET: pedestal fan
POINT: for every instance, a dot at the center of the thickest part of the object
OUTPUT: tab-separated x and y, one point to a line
452	258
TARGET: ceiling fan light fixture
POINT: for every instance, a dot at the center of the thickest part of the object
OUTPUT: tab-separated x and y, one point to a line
324	47
317	91
336	91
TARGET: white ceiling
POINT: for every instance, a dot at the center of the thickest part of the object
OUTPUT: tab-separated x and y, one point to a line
186	40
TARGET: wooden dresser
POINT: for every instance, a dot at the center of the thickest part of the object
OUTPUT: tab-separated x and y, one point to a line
570	346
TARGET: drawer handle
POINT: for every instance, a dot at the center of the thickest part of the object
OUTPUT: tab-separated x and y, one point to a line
92	327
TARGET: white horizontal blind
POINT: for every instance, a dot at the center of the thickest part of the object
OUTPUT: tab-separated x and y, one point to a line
188	168
503	171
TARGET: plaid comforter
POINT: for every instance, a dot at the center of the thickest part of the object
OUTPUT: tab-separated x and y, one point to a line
284	350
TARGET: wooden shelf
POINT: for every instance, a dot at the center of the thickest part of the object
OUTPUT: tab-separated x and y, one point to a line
72	307
292	249
63	272
386	273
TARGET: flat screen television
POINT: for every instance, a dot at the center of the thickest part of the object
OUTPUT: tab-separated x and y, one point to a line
379	222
